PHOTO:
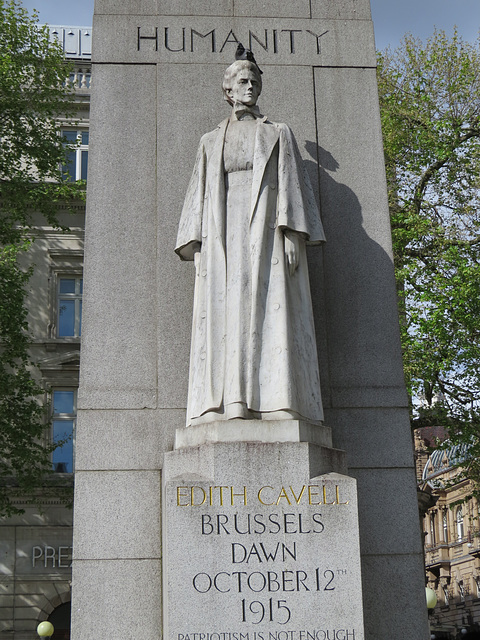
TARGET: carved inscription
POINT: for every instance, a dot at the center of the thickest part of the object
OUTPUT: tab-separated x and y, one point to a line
54	557
187	39
196	496
312	634
263	566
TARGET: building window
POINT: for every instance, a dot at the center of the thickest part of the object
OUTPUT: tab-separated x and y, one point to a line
65	287
445	525
432	528
459	520
445	595
69	307
461	591
77	159
64	422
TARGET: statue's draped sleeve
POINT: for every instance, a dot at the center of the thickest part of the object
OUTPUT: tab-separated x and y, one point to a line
190	226
297	208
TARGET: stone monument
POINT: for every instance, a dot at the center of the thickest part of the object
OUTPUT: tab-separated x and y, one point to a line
248	214
269	547
258	517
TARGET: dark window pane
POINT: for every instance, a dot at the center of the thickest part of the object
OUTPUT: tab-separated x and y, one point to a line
62	457
66	318
80	318
67	285
81	285
70	136
63	401
84	137
84	165
70	167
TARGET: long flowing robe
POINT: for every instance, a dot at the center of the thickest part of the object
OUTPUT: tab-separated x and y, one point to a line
280	359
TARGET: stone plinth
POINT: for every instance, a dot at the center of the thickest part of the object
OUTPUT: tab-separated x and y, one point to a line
261	541
254	431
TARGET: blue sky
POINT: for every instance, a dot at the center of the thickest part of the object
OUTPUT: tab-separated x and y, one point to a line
392	18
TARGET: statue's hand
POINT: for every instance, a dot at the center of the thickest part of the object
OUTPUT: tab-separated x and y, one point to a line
292	250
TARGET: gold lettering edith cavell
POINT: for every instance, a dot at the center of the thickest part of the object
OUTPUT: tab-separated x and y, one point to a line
231	496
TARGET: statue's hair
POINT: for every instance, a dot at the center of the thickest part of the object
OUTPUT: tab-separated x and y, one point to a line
232	71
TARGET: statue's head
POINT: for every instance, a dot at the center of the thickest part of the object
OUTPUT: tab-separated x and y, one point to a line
242	82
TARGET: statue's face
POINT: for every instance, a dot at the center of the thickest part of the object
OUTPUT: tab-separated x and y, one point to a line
245	89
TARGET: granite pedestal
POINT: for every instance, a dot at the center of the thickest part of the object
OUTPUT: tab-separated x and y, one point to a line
261	541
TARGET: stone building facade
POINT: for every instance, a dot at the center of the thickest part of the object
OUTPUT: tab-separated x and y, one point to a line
36	547
451	528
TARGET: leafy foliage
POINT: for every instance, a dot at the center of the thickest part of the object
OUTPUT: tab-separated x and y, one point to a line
430	108
22	421
33	96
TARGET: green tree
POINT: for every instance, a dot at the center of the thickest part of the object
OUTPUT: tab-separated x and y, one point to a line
430	109
33	94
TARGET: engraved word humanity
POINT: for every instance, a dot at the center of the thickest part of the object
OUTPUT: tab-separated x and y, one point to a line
190	40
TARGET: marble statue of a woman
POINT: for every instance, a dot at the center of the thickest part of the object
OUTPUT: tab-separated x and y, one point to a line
248	213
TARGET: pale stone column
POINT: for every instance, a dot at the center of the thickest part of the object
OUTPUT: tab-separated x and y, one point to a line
158	66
